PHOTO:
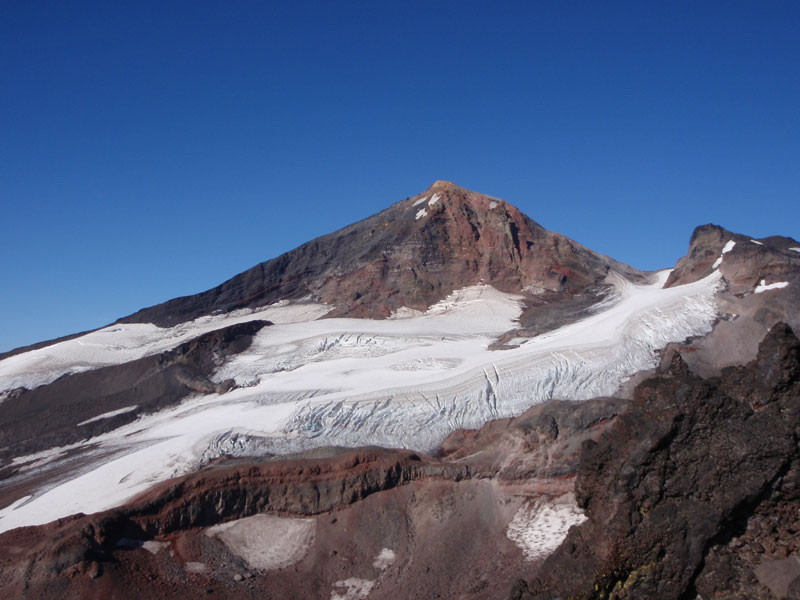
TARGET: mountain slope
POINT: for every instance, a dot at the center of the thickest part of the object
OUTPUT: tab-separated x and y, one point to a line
412	254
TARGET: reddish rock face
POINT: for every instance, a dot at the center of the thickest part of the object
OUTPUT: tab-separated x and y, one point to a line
412	254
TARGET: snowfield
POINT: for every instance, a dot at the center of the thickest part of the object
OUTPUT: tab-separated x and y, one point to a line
403	382
123	342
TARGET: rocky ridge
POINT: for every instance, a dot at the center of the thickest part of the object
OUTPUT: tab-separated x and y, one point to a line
693	491
760	282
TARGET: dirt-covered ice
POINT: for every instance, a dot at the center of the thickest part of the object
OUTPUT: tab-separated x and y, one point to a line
539	527
267	542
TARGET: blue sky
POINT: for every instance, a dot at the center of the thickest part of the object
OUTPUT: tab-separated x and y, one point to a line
153	149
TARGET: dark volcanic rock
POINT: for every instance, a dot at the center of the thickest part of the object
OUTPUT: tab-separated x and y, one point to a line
750	261
685	491
745	316
395	259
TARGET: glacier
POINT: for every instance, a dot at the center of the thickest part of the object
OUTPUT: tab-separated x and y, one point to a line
403	382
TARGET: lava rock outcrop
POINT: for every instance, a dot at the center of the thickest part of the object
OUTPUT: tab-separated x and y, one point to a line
694	489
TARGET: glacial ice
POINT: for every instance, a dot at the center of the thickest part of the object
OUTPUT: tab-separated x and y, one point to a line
401	388
402	383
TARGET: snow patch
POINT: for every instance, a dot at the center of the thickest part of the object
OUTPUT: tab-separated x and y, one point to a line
421	213
434	199
479	303
493	204
757	242
763	287
108	415
384	559
154	547
420	201
151	546
267	542
196	567
354	589
43	456
795	249
538	528
535	290
725	249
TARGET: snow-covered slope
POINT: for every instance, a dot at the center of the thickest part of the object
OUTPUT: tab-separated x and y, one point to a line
404	382
119	343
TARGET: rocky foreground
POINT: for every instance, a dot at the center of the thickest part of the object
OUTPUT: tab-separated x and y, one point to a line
690	489
694	491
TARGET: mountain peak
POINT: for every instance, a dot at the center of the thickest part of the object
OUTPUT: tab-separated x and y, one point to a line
411	255
441	185
447	199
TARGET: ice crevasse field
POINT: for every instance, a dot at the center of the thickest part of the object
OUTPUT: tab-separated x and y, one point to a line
306	382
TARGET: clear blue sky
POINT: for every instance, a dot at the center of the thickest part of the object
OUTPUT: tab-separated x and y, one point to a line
153	149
